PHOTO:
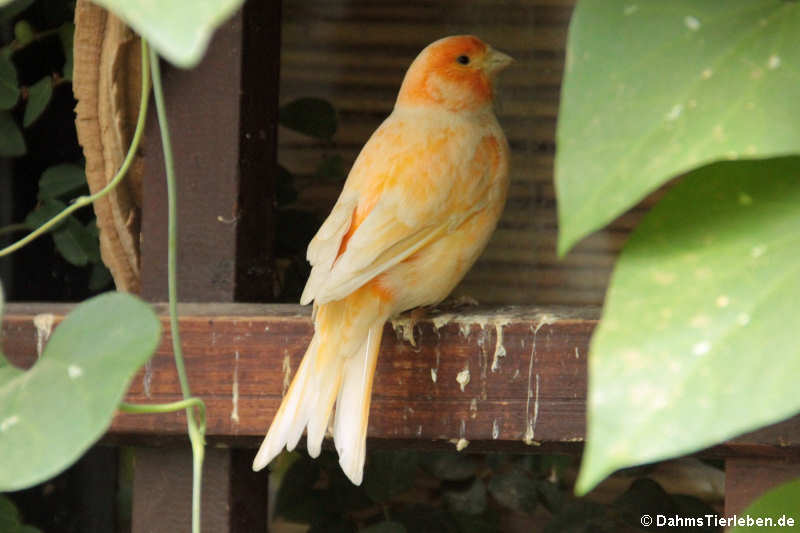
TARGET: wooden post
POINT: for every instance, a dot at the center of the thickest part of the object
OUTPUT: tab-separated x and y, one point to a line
223	120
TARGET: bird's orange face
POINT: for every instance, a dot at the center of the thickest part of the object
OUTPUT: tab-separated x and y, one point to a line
455	72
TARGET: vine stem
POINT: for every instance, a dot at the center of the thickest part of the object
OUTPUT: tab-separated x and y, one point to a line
155	408
196	436
83	201
13	228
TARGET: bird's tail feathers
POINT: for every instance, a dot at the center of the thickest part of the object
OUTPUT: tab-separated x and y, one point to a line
352	406
334	368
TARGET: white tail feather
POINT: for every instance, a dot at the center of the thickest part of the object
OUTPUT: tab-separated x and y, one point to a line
352	406
323	374
300	407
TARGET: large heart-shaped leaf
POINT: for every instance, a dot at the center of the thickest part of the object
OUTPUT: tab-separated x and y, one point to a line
698	341
653	89
178	29
50	414
779	505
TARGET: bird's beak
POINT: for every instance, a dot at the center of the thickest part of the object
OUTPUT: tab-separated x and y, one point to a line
496	61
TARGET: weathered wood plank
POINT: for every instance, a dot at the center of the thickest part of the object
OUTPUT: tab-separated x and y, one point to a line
240	358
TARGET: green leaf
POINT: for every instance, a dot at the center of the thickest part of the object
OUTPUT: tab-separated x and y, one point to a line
310	116
179	29
53	412
514	489
66	34
385	527
450	466
12	8
23	32
583	517
389	473
76	243
10	520
39	95
331	169
654	89
99	278
779	504
12	143
296	499
60	180
285	192
488	522
421	518
9	85
698	338
46	210
9	515
471	501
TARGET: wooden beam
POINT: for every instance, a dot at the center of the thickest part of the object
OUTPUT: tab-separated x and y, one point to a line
240	358
747	478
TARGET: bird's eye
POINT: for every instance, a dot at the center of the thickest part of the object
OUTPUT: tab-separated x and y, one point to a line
464	60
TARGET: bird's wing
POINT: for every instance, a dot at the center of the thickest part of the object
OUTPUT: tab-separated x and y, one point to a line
407	188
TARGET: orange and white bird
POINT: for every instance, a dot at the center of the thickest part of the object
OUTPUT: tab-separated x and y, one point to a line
417	209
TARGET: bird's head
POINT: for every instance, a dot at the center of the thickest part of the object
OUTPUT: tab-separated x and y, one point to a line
456	73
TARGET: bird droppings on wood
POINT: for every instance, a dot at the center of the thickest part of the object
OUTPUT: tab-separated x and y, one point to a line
499	348
461	444
433	374
473	408
495	429
463	378
147	377
530	432
404	328
544	319
287	372
44	327
235	390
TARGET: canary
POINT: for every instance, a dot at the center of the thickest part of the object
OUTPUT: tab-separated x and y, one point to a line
417	209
